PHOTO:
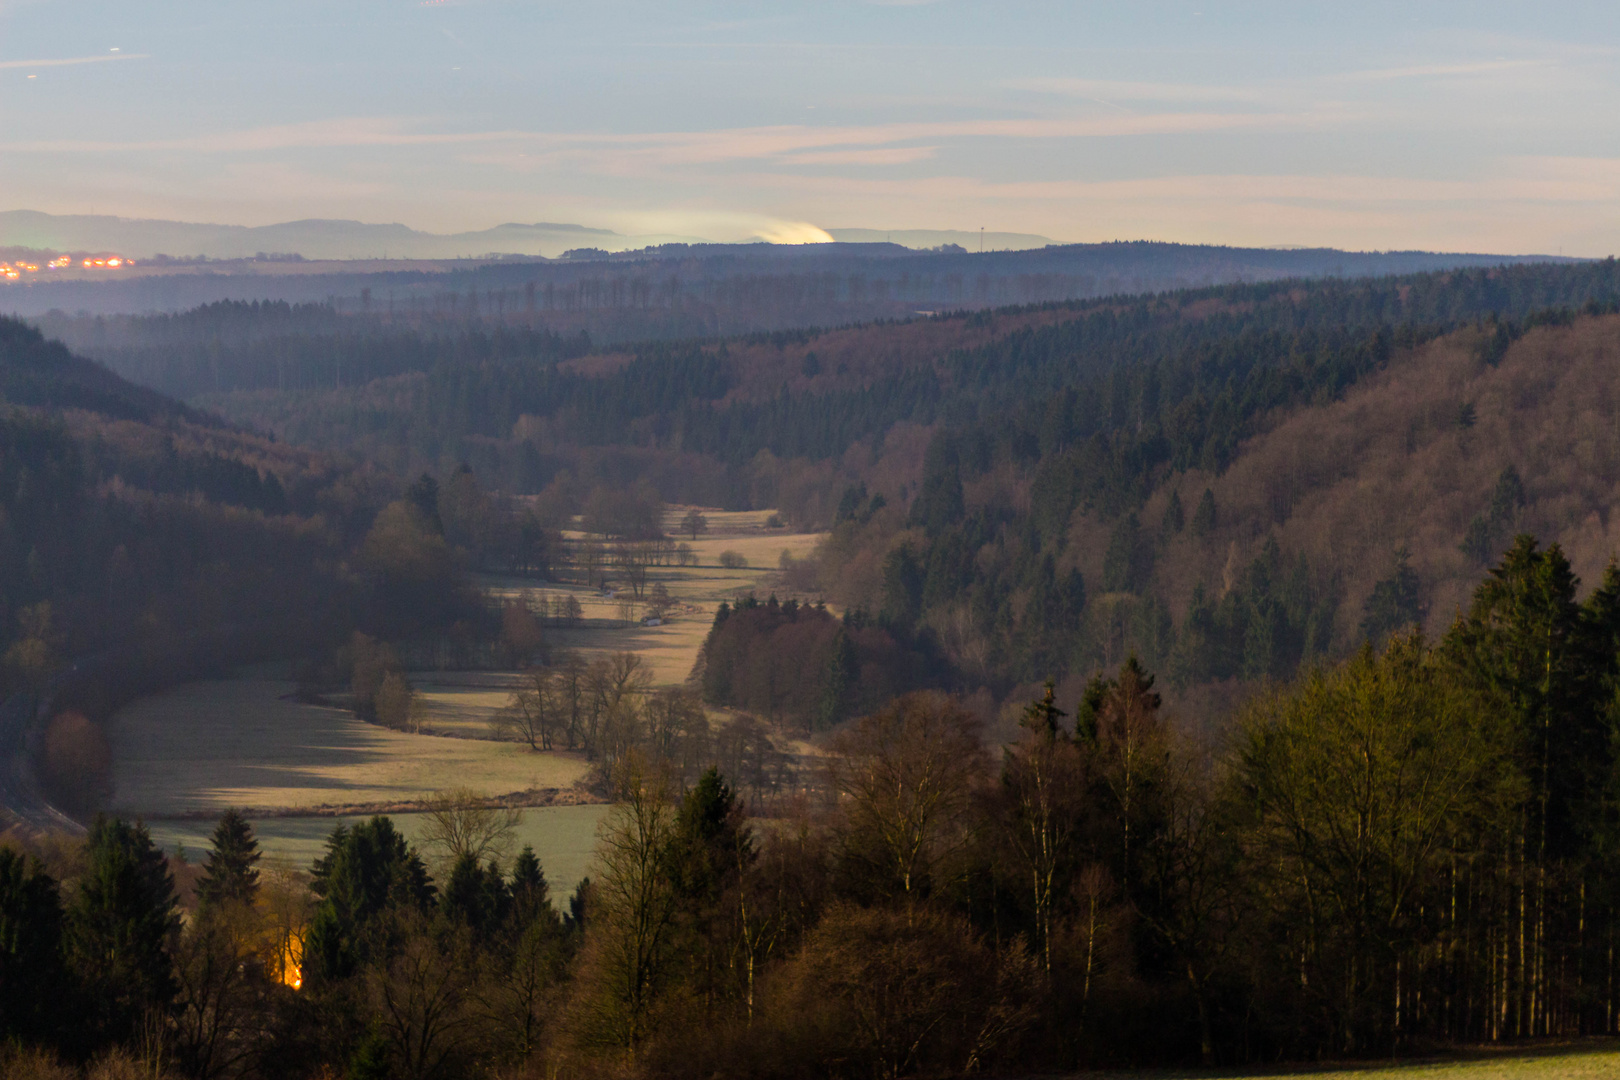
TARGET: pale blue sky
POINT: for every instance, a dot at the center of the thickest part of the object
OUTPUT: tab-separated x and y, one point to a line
1478	126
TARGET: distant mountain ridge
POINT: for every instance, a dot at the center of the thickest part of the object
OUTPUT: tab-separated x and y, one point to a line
313	238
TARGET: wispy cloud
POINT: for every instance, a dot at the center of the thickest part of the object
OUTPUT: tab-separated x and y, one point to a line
69	61
898	155
694	147
1111	90
1432	71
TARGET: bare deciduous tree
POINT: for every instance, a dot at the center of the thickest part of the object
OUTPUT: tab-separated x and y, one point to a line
535	713
462	823
906	778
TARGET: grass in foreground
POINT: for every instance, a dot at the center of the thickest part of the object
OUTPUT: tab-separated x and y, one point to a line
1584	1060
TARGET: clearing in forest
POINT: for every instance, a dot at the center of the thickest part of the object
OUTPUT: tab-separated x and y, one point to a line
204	746
612	624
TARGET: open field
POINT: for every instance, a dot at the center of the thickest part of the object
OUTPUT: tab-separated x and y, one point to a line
246	742
671	649
564	837
461	703
181	757
1585	1060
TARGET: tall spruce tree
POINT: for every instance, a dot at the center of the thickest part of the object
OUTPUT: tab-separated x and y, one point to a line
837	682
229	872
531	892
120	925
1525	641
367	870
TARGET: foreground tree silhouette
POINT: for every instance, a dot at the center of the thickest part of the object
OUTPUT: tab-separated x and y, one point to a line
1363	783
32	976
121	925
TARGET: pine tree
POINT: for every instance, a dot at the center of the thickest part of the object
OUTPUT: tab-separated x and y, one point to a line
229	872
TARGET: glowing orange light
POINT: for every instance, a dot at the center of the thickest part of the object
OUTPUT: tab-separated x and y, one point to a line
292	962
115	262
89	262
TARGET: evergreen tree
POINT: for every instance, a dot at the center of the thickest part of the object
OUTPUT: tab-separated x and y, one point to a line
531	893
579	907
902	587
1175	519
711	841
367	871
1395	601
1044	716
33	977
1203	520
939	502
229	872
119	928
1128	562
837	683
476	896
1525	641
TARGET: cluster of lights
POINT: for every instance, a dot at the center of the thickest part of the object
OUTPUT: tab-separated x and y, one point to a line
13	271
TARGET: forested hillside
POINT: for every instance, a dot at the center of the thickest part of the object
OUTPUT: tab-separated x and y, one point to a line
1018	493
759	420
131	524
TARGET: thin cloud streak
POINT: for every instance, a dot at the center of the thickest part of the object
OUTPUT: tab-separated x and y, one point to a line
690	147
70	61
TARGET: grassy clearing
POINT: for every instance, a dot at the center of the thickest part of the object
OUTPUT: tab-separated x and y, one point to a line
564	837
1587	1060
671	649
462	703
248	743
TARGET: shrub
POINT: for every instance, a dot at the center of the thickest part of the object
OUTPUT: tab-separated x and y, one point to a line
77	763
733	560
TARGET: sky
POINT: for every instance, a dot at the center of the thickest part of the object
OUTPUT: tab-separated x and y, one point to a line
1426	124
